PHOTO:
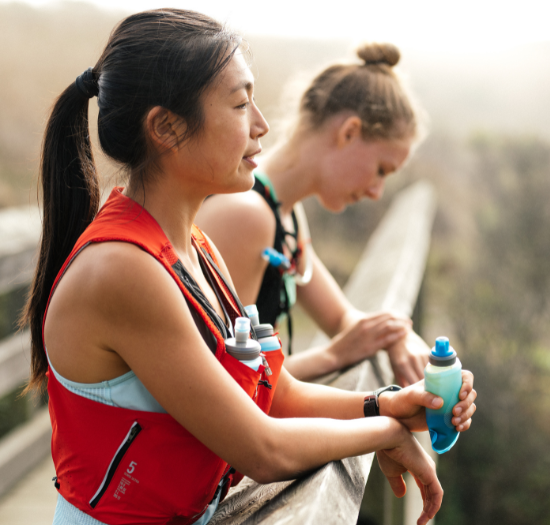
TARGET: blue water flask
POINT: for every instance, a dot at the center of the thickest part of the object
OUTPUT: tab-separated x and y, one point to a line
443	377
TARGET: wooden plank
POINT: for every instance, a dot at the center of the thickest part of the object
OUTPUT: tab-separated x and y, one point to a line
14	361
388	275
19	236
23	448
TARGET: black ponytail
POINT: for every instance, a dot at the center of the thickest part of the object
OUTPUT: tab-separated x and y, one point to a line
70	194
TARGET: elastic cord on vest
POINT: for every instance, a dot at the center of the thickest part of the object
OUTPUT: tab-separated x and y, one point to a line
87	84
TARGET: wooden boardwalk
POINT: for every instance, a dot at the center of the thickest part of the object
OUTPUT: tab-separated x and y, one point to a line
32	500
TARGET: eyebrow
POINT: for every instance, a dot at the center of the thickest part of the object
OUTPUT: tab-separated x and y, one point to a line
242	85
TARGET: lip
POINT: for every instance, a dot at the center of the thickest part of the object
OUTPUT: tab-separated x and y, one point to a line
250	158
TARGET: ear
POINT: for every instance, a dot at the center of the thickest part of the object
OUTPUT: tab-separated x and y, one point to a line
164	128
348	131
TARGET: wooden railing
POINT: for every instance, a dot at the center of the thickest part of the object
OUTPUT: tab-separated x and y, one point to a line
388	275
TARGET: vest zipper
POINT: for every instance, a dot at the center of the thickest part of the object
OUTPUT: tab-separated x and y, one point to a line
124	446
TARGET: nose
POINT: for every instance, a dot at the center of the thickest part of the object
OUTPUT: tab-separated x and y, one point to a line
259	126
376	190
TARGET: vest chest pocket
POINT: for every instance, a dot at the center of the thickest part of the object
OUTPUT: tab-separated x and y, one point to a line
135	429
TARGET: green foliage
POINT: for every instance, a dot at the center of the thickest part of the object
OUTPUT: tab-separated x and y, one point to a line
11	306
499	304
13	411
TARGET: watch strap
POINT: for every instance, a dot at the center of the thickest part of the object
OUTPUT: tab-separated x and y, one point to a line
371	406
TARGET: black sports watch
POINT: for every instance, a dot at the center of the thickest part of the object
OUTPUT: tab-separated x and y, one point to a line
371	406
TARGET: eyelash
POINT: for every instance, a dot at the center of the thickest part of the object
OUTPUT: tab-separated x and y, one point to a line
243	106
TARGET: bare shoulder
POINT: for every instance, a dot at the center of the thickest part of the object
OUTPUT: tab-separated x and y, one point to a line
238	214
113	278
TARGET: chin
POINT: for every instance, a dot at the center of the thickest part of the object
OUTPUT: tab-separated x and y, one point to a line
241	182
333	207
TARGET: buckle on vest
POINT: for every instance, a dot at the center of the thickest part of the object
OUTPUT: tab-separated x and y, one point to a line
56	483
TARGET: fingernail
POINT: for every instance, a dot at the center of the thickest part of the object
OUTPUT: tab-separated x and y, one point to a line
463	395
458	411
436	401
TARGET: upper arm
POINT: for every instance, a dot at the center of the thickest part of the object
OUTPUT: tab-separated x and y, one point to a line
241	226
130	305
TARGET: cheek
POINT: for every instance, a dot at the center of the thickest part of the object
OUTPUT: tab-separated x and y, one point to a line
363	173
228	131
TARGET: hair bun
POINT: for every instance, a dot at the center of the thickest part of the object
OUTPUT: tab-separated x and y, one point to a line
379	54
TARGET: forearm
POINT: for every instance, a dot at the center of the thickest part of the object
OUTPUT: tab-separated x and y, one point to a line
300	445
360	337
298	399
312	363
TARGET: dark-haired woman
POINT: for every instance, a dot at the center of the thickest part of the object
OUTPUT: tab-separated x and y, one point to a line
131	304
355	127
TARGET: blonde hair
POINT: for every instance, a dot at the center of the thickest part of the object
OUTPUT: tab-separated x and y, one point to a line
372	90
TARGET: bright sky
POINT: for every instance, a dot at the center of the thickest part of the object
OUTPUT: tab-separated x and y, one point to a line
446	26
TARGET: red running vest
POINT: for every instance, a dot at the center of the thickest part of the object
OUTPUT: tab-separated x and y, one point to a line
129	467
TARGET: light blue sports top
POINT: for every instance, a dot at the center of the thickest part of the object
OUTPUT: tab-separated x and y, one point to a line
125	391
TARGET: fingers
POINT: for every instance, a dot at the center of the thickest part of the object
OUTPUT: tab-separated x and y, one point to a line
408	359
411	455
405	372
463	422
391	336
431	504
432	497
464	426
397	484
391	315
467	384
419	396
393	471
389	326
464	410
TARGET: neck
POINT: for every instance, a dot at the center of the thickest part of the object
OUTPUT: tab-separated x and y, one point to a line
174	208
293	167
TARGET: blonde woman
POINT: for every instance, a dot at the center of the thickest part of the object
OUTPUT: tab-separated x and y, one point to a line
356	126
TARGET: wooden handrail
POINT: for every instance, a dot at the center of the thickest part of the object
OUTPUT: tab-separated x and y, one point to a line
388	275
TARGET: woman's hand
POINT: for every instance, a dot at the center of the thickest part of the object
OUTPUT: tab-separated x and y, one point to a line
366	335
408	405
408	357
410	456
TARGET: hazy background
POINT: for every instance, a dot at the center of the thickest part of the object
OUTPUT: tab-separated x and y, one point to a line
481	71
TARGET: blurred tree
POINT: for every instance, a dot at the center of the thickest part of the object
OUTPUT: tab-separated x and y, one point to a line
499	307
